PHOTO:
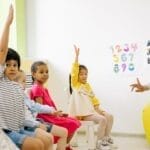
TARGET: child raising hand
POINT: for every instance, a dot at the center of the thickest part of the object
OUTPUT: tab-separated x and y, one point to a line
85	106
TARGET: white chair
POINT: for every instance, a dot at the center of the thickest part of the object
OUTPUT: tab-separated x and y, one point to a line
89	131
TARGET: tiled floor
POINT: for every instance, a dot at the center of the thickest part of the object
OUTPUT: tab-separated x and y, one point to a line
123	143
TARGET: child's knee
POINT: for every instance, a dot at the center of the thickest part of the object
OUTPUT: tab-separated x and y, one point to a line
47	140
65	133
103	121
39	144
32	144
110	117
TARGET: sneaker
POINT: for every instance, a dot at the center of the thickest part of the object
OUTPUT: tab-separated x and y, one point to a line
102	145
110	141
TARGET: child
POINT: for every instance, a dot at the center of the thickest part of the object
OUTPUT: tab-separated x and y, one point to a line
45	109
41	95
85	106
11	98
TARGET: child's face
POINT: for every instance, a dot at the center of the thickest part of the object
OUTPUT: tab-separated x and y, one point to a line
41	75
11	69
83	74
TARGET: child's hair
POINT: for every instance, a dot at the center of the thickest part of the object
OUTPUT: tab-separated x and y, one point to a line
13	55
80	68
35	65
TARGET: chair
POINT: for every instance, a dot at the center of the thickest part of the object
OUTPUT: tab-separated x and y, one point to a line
89	131
88	125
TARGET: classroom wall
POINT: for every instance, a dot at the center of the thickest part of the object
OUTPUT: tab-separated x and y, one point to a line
95	26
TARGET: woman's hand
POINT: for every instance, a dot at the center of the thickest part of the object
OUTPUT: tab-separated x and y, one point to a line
137	86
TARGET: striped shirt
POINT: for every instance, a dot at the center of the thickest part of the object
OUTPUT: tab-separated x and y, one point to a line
12	109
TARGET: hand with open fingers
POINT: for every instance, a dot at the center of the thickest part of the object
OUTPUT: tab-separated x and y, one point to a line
137	86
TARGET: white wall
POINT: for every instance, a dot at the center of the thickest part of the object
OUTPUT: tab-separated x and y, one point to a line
53	26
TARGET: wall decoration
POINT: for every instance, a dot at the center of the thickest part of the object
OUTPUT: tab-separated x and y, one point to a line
148	52
123	57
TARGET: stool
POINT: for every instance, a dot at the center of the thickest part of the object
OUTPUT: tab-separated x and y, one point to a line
90	138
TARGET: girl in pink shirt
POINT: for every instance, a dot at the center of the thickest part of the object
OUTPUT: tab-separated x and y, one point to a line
41	95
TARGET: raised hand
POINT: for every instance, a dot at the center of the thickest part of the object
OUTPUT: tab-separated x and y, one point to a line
10	15
77	50
5	35
137	86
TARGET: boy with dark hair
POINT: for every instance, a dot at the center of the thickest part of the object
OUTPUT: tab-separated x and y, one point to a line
12	107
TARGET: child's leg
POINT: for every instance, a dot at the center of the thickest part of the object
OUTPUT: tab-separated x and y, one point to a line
45	137
109	118
62	134
31	143
101	120
25	141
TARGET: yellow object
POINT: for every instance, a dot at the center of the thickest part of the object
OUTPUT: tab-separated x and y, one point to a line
146	121
78	85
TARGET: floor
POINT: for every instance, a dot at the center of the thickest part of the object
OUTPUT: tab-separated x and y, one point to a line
123	142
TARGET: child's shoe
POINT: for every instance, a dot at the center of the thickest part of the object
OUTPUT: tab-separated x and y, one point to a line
111	143
102	145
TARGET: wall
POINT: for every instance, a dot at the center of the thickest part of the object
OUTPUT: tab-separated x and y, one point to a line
54	26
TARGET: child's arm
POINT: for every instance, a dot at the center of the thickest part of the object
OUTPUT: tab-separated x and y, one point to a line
5	36
55	112
75	68
37	107
139	87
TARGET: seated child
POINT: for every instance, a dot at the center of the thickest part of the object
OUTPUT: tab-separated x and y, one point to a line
12	112
41	95
84	105
33	109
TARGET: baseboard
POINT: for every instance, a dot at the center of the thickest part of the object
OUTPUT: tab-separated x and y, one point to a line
128	134
120	134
